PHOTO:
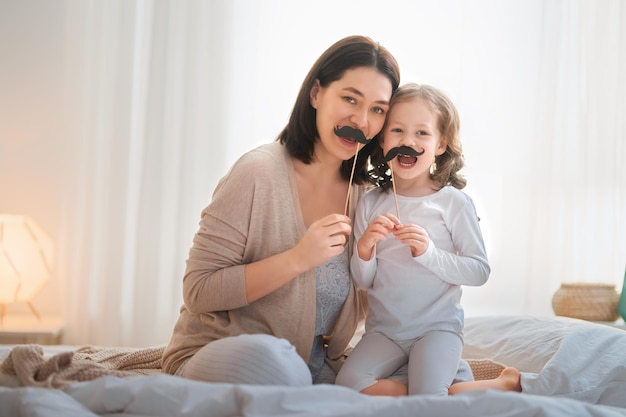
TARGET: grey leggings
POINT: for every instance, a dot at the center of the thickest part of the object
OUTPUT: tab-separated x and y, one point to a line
433	361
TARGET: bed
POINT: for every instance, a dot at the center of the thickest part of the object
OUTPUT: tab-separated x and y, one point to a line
569	368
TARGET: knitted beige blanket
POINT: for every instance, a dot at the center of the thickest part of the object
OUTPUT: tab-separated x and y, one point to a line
33	368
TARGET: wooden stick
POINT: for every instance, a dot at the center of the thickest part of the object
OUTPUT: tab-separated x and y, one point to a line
395	195
345	210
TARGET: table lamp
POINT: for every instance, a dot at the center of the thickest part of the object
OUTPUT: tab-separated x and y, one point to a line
26	253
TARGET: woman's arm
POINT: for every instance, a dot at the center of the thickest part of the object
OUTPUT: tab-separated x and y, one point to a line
247	243
323	240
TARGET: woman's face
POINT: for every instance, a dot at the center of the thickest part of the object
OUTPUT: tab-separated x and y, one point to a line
359	99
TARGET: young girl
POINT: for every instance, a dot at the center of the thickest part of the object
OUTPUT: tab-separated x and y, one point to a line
414	249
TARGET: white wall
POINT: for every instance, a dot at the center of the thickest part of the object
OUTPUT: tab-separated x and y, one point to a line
32	144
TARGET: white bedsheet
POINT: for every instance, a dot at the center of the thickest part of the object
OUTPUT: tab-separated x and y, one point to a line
168	396
570	368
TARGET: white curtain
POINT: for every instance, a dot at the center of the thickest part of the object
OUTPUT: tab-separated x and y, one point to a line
163	96
145	120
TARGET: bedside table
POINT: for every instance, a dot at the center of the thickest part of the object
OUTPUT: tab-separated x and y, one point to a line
25	329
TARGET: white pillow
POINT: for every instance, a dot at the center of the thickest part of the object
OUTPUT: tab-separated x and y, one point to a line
557	356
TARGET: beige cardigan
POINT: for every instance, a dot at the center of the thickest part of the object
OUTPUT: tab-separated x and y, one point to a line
255	213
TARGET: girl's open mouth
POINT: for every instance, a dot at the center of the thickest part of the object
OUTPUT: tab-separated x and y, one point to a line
407	160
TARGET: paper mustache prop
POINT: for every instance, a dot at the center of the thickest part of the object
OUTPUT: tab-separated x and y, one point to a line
391	154
351	133
402	150
357	135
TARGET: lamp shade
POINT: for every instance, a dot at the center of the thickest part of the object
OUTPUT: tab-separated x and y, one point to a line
26	253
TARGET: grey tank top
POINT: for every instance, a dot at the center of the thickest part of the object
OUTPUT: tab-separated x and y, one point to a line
333	285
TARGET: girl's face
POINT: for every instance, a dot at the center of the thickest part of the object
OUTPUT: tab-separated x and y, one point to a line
359	99
413	123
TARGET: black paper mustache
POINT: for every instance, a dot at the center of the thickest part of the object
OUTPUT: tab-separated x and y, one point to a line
402	150
352	133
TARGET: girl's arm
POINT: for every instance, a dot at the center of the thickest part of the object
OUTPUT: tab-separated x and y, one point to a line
468	264
367	235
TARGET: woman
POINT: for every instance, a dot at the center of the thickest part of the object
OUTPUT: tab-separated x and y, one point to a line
267	293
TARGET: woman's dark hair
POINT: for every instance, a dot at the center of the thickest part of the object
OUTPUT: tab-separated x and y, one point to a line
300	134
446	167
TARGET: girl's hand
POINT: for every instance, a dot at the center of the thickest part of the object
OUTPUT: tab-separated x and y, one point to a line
376	231
324	239
414	236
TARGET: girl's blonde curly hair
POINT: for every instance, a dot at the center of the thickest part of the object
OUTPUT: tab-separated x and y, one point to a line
445	170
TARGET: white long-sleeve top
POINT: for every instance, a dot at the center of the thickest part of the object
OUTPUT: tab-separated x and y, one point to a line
409	296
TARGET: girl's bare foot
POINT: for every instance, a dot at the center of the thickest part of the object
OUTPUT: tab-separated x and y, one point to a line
508	380
511	379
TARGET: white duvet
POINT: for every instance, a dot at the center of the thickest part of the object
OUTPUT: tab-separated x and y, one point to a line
570	368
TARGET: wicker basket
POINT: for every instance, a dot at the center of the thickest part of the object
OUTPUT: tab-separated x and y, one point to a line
485	368
592	302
